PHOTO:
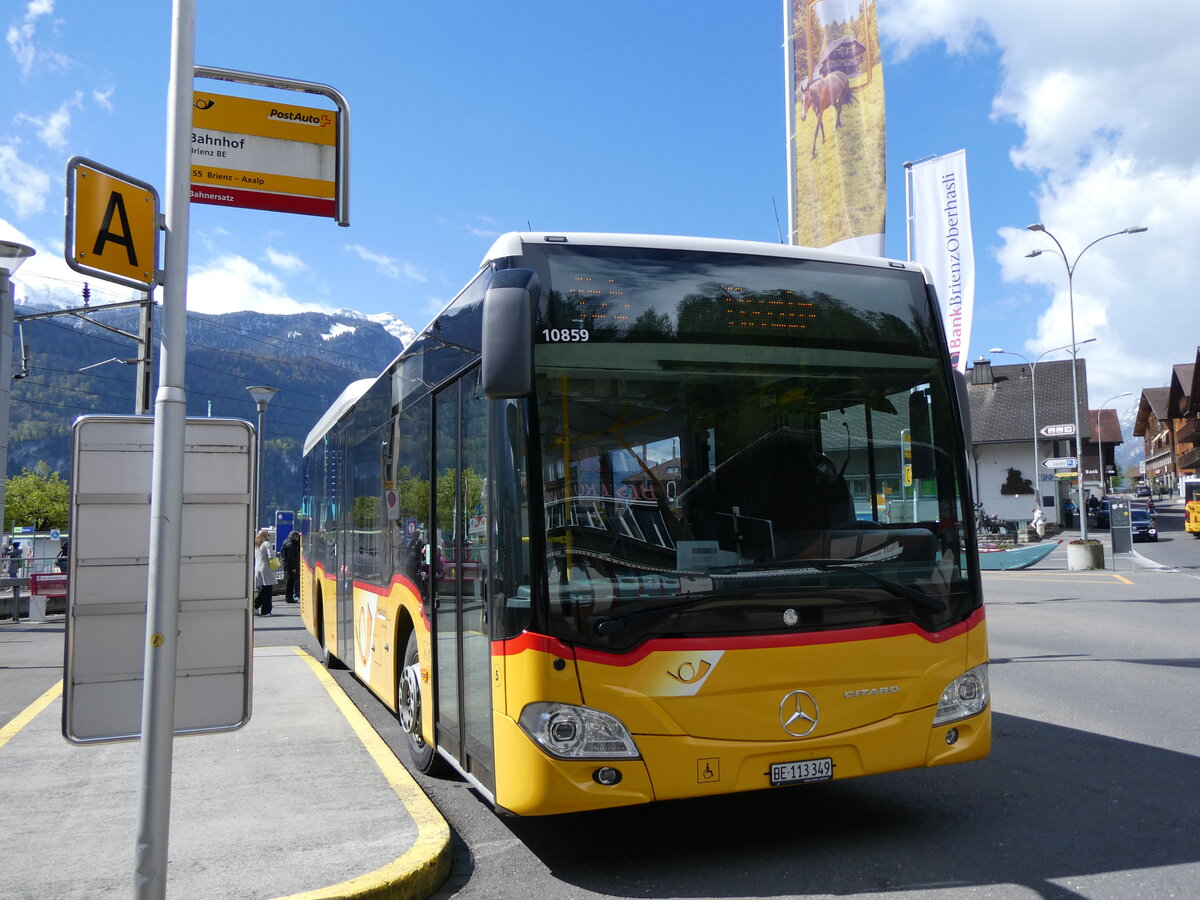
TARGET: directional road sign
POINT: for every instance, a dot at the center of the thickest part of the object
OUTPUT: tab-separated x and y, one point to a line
1060	462
112	224
1067	430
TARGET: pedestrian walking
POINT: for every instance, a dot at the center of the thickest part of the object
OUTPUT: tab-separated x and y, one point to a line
290	554
264	575
63	558
1038	522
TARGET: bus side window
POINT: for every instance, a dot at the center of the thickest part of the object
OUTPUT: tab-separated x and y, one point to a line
510	576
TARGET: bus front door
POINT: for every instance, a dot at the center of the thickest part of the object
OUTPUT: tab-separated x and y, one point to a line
463	648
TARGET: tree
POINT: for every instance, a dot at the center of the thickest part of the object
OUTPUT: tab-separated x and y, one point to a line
39	498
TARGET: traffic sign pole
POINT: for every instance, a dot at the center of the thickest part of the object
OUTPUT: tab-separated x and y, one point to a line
166	505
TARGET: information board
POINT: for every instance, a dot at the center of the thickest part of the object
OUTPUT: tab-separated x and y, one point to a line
109	565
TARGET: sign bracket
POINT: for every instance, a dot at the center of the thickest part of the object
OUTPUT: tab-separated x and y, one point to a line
342	157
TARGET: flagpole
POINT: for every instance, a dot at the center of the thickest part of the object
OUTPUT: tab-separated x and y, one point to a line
789	73
909	220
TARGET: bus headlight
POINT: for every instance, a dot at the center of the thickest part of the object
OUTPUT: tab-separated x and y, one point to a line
965	696
577	732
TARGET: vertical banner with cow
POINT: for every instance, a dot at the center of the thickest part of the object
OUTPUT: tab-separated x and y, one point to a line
836	150
940	239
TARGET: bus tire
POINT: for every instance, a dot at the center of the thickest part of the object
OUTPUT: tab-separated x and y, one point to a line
408	710
328	659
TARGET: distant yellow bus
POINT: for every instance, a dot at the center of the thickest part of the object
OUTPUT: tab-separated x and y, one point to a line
639	518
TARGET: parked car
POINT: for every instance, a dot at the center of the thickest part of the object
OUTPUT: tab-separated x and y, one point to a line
1143	490
1144	528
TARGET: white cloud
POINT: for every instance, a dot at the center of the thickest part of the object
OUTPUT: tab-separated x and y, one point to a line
230	283
52	128
21	37
488	227
44	279
386	265
22	184
1104	95
288	262
102	97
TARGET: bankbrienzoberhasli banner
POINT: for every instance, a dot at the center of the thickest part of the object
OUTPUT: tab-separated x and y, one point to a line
836	126
941	241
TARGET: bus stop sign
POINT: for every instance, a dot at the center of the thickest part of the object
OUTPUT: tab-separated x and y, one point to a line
112	225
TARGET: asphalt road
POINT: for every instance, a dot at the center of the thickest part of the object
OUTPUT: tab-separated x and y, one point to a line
1090	790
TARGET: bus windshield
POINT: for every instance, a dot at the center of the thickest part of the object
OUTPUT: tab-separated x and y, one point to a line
737	444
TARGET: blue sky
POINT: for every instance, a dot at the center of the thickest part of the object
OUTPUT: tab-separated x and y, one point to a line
471	118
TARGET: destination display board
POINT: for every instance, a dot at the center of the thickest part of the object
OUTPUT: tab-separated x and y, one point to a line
257	154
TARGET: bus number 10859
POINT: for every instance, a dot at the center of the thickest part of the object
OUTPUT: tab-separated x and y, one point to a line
565	335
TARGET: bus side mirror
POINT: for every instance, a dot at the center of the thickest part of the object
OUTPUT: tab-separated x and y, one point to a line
508	333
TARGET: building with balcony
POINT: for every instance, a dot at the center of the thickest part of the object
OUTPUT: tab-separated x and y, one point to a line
1153	426
1168	423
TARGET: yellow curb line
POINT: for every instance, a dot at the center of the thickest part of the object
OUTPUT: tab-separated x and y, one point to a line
418	872
27	715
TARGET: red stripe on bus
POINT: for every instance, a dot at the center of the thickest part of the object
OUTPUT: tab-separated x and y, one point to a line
545	644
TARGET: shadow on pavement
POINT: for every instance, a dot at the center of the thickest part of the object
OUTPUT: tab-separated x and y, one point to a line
1050	803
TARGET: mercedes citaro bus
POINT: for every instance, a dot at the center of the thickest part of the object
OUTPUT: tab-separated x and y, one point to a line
642	517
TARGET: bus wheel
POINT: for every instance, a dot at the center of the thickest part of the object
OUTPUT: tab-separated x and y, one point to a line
408	711
328	659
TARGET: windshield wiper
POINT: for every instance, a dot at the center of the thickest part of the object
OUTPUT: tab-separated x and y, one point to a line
895	588
614	623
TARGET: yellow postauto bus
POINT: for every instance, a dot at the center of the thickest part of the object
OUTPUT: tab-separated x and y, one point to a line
641	517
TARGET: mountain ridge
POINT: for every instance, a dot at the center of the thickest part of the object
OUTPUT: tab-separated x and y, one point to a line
309	356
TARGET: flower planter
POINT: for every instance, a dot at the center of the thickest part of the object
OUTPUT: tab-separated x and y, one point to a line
1085	555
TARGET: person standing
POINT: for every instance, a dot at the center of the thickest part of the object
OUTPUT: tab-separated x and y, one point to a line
1068	509
290	554
264	576
15	557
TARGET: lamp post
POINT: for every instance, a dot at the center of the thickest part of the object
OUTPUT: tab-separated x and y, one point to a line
11	256
262	396
1070	266
1033	393
1100	438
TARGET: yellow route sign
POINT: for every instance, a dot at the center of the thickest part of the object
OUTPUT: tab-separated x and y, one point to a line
112	224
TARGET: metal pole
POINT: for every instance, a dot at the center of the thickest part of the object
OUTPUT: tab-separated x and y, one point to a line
789	65
11	256
1070	266
6	339
141	399
262	395
166	501
1100	438
258	467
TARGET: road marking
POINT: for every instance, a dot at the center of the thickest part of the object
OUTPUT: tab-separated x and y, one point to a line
1076	580
422	869
29	713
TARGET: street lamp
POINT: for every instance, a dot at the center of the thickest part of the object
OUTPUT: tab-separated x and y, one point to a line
1033	392
1100	438
262	396
11	256
1038	226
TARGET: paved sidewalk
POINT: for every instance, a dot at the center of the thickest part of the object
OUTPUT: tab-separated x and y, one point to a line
305	800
